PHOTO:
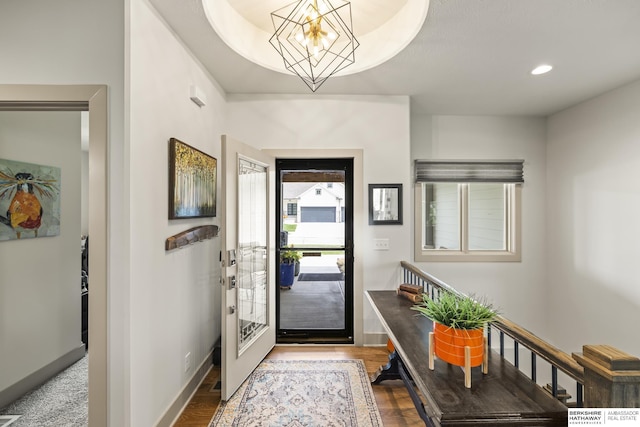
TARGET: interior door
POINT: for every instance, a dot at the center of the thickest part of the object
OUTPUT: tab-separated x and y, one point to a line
248	248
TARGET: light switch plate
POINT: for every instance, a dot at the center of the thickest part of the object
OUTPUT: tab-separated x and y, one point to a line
381	244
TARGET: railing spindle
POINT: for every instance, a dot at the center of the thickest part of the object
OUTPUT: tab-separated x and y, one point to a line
533	367
579	398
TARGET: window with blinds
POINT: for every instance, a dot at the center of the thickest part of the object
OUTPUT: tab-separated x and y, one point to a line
468	210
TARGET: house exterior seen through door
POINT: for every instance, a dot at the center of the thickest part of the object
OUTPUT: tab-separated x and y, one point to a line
315	250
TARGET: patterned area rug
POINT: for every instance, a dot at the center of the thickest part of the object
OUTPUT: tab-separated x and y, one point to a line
297	393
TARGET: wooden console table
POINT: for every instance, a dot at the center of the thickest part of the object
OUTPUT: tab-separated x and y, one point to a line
504	396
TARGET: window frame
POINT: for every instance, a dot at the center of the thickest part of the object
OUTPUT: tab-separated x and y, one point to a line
513	225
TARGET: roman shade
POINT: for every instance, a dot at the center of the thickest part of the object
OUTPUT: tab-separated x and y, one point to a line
505	171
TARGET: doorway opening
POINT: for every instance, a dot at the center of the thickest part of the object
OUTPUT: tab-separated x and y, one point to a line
315	298
91	98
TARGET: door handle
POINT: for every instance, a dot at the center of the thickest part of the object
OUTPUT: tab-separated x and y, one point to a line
231	257
232	309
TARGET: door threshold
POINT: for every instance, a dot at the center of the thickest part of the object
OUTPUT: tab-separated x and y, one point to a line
314	340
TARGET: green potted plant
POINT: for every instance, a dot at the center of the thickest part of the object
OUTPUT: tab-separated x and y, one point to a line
296	256
288	259
459	322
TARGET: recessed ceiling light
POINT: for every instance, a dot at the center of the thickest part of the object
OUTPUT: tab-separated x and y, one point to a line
541	69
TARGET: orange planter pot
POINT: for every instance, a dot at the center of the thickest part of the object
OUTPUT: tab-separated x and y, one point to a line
390	346
449	344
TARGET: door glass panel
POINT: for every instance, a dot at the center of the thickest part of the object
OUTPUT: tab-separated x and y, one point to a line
252	252
315	289
313	212
317	301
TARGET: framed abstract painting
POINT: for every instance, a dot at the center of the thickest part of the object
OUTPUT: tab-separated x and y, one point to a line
192	182
29	200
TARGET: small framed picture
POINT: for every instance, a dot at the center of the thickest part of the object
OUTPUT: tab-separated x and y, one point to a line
385	204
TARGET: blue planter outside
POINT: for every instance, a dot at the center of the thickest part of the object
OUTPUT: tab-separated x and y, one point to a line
286	274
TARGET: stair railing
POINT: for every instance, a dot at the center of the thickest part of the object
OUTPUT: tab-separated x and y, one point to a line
611	377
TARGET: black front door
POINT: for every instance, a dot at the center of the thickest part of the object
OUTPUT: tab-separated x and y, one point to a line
314	302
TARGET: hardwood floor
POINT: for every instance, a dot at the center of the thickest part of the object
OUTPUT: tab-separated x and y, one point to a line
394	403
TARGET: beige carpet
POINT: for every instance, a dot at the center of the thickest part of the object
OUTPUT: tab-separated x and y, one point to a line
60	402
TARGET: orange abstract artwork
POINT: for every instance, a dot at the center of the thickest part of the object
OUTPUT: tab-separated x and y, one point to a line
29	200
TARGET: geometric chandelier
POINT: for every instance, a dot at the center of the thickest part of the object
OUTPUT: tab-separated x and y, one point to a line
314	38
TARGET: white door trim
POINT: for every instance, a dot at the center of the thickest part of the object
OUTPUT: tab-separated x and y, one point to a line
92	98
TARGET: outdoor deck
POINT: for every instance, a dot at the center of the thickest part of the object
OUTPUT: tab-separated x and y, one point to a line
316	298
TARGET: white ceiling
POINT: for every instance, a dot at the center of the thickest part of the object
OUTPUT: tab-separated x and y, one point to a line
382	28
470	57
376	11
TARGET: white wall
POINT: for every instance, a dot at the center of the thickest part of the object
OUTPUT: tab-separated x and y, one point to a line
40	277
377	125
517	288
71	42
175	305
593	230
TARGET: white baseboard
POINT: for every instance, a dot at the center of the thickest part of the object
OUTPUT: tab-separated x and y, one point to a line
375	339
174	410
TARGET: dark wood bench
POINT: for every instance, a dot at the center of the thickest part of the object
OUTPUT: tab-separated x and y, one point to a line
504	396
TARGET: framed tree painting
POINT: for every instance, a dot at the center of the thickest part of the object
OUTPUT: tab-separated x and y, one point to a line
29	200
192	182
